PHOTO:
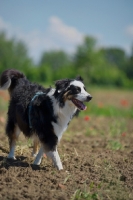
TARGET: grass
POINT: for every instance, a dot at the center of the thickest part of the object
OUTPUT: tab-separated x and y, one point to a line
84	195
117	127
108	111
105	102
114	145
111	102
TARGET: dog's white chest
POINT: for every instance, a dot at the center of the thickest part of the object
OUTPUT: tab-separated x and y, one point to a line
64	116
61	126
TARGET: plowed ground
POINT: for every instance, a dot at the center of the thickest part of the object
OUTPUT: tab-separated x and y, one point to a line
97	156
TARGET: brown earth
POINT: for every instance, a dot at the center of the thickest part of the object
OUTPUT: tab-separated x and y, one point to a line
97	156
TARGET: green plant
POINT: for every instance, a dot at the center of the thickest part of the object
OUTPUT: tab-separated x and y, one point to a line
84	195
117	127
114	145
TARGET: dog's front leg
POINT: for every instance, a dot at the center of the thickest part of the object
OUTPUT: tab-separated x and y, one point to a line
39	156
55	158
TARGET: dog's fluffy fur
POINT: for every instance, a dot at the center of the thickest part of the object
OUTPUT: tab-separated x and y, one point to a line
50	114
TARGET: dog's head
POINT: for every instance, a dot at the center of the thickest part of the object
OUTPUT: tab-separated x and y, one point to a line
72	90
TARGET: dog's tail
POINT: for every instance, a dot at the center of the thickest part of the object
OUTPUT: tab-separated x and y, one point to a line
9	79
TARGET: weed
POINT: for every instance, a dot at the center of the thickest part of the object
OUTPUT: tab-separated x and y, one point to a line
114	145
117	127
107	164
66	179
83	195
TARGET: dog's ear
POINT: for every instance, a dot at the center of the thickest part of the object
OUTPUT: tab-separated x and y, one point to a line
62	84
79	78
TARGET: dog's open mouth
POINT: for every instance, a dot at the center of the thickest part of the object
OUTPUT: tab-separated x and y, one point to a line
79	104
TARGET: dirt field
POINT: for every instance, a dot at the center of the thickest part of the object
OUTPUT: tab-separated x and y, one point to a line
97	156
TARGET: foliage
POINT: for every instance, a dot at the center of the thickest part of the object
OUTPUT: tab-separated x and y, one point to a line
98	66
83	195
55	59
115	56
13	54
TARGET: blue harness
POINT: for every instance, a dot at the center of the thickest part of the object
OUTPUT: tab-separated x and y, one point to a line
30	106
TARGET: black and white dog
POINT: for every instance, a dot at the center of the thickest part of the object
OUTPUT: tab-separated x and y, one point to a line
43	114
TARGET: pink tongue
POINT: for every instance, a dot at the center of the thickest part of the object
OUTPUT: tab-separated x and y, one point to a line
79	104
85	107
82	106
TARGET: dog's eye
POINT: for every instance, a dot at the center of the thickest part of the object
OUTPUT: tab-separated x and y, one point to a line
78	89
84	88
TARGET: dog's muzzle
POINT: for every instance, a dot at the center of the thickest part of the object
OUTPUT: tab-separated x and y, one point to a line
88	98
79	104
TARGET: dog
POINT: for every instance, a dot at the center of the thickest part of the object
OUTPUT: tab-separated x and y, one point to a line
41	113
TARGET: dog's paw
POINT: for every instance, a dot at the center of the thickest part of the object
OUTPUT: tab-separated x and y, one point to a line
36	163
11	157
33	154
59	167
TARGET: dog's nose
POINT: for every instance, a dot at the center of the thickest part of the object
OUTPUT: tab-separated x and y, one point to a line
89	98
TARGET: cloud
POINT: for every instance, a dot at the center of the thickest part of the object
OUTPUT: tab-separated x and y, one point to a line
64	32
129	31
3	25
57	36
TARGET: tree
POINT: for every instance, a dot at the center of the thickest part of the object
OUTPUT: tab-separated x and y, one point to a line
89	60
129	66
85	53
115	56
100	66
56	65
55	59
13	54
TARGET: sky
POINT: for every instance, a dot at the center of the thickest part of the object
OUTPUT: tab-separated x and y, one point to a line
44	25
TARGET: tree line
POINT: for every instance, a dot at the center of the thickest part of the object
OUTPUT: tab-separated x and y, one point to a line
98	66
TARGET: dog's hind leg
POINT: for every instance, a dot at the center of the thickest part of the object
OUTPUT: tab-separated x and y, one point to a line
55	158
35	146
39	156
51	154
12	132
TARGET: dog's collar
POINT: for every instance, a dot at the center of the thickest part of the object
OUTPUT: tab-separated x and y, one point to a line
30	106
